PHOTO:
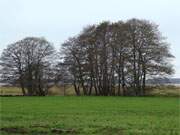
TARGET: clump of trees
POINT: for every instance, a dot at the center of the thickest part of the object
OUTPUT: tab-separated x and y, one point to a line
117	58
104	59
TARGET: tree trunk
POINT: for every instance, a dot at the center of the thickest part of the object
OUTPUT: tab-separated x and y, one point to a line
123	78
22	87
144	80
76	89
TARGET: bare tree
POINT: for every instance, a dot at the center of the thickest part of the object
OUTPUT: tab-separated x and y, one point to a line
28	61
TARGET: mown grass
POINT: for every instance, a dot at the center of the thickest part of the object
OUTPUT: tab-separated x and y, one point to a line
90	115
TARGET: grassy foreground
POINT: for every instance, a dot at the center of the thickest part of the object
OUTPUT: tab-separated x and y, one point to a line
90	115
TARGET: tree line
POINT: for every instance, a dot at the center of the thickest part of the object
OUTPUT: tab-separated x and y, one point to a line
104	59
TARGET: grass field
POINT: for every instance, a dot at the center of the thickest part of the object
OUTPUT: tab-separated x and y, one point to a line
169	91
90	115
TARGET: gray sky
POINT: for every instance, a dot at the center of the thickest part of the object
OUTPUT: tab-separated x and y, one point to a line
56	20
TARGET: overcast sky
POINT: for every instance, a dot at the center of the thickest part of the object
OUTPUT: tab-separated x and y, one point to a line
56	20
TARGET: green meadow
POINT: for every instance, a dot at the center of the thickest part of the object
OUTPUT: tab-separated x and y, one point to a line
83	115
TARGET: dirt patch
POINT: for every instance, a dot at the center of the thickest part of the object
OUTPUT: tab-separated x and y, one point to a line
63	131
43	130
12	130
